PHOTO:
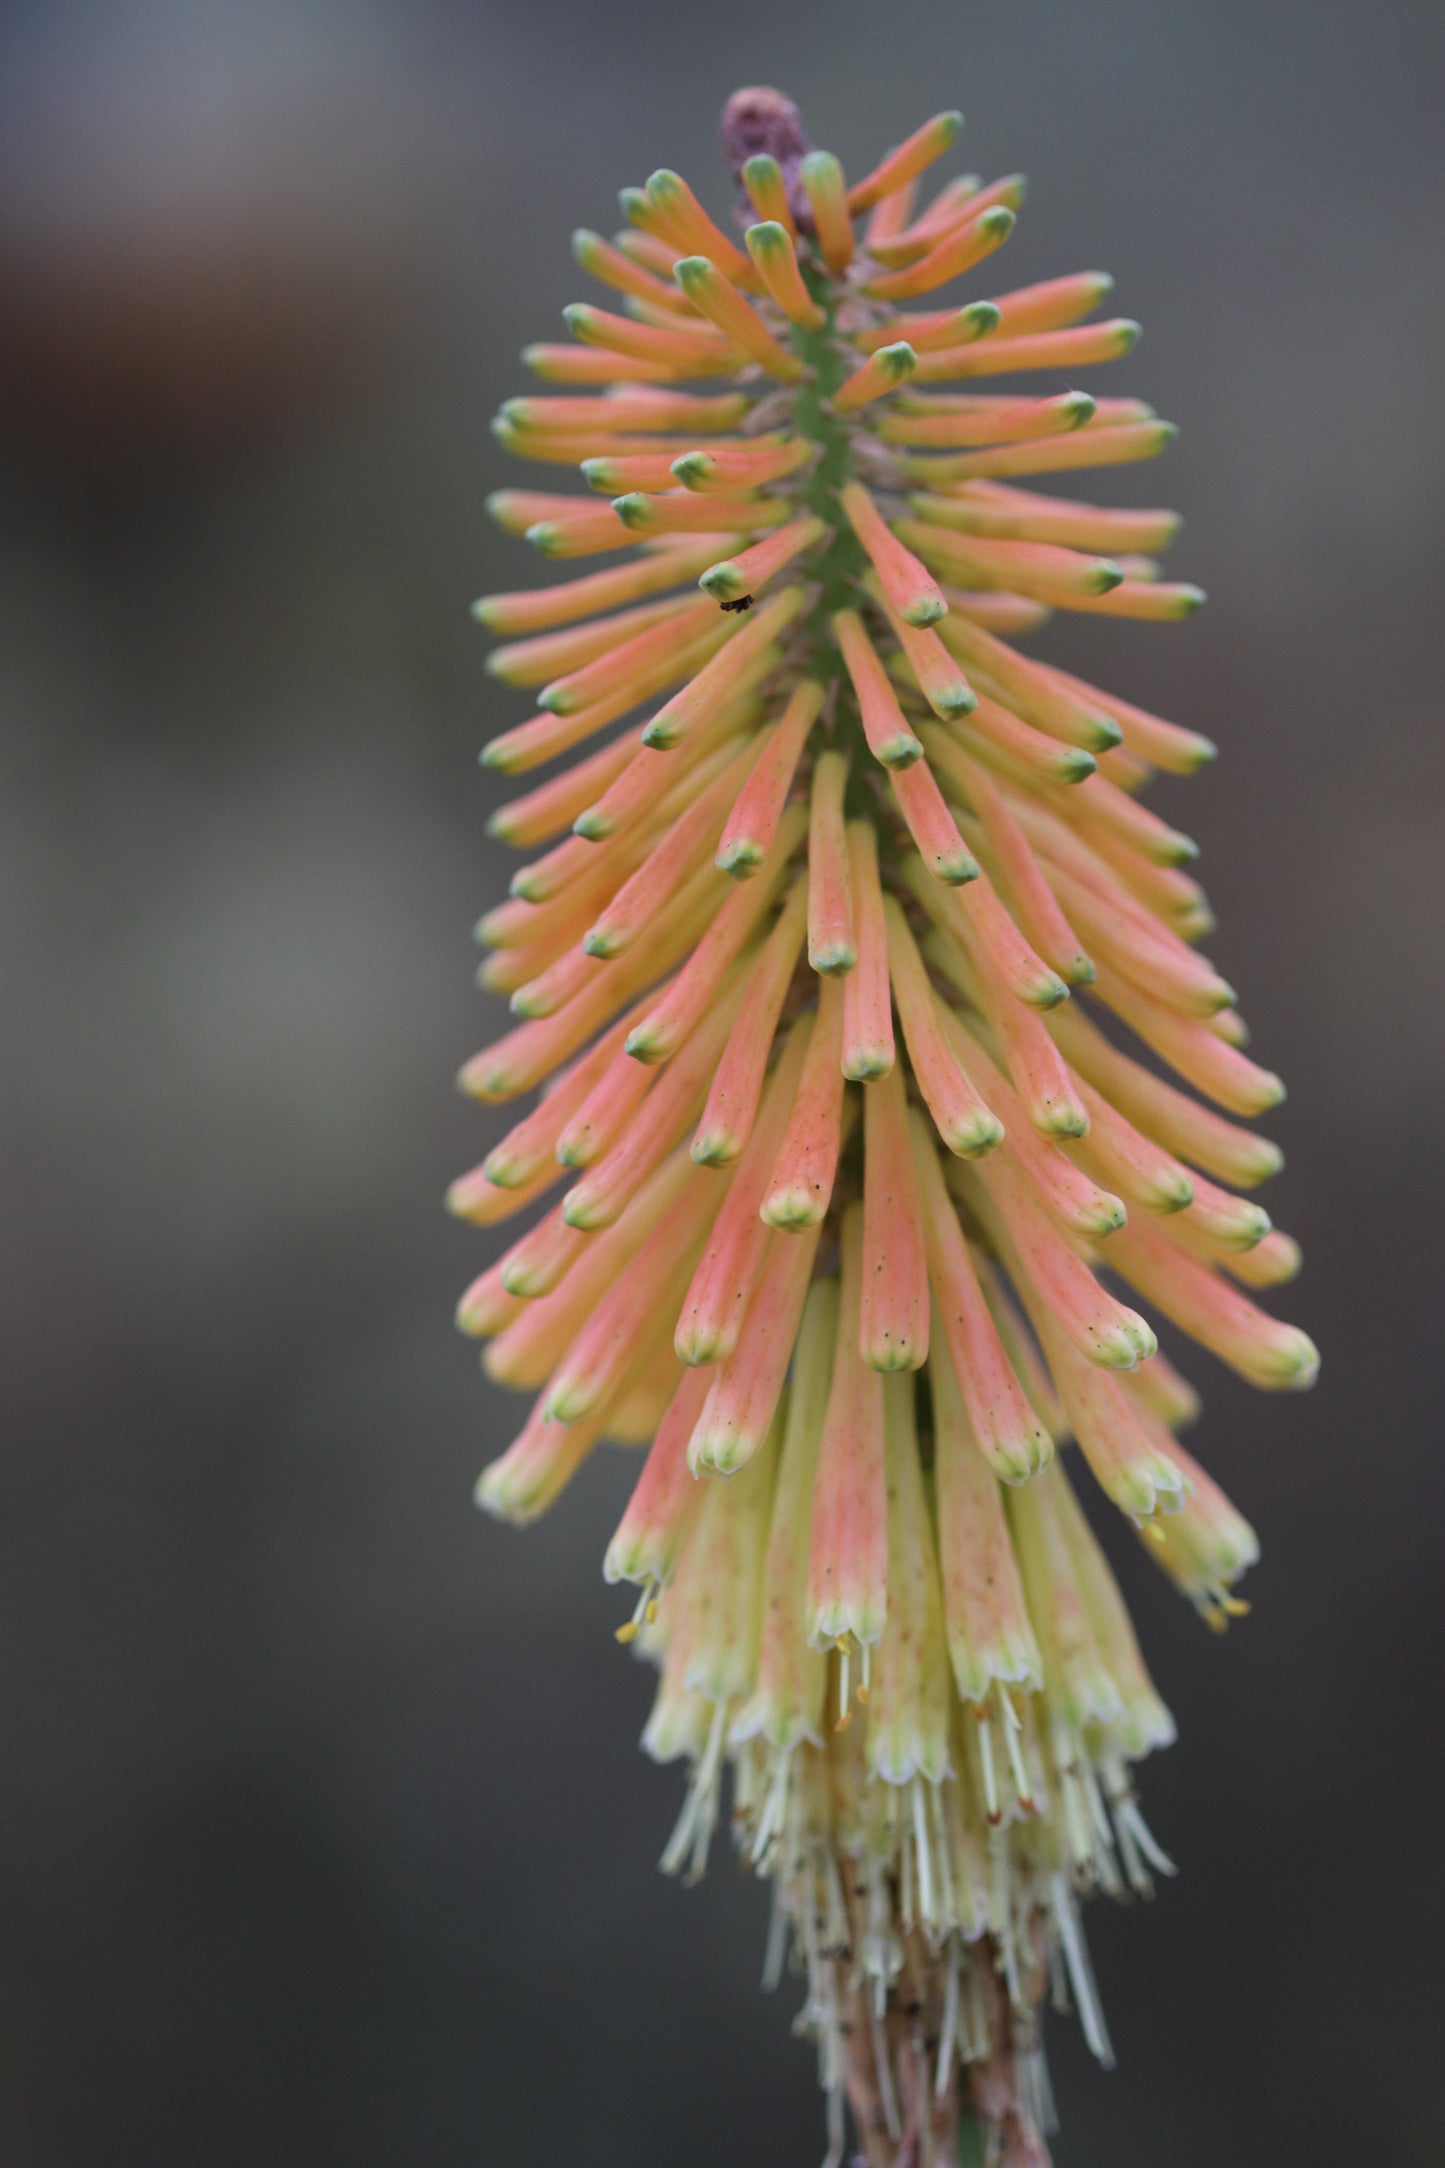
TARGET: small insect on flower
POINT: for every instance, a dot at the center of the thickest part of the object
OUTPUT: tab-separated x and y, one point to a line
864	996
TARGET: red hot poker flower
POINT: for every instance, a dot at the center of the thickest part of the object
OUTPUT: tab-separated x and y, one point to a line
821	961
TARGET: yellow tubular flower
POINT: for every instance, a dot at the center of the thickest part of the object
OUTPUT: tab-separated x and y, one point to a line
818	960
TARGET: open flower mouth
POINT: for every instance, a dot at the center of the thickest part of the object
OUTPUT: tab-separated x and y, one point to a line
810	961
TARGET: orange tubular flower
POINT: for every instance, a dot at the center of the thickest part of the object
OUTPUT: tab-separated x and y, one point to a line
818	961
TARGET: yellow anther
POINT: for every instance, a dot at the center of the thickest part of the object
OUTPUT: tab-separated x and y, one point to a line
646	1609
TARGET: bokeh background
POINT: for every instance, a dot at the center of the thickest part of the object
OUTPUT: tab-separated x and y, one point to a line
323	1834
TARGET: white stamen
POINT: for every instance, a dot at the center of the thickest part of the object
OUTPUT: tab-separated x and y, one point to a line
834	2157
921	1852
1058	1977
884	2067
1043	2086
990	1781
1081	1974
1003	1924
830	2037
747	1771
1038	2093
1139	1878
838	1930
1076	1814
775	1804
1126	1812
1105	1867
881	1955
777	1948
698	1818
1012	1731
948	1909
1089	1778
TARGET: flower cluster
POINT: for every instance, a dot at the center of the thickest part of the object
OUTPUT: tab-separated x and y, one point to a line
836	971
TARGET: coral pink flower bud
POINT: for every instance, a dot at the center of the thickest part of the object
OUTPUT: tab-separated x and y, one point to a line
786	1705
848	1561
989	1634
832	938
718	1295
908	1708
749	1382
752	824
651	1533
893	1318
867	1016
800	1187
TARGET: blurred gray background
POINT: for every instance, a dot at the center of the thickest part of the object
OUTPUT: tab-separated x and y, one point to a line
323	1833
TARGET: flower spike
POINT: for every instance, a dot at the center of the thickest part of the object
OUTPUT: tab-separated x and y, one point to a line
841	1187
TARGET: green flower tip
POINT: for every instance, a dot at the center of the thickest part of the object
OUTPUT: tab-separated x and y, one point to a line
767	237
664	187
723	582
956	700
1104	732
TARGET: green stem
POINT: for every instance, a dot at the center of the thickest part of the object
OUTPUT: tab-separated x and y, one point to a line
970	2139
839	567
